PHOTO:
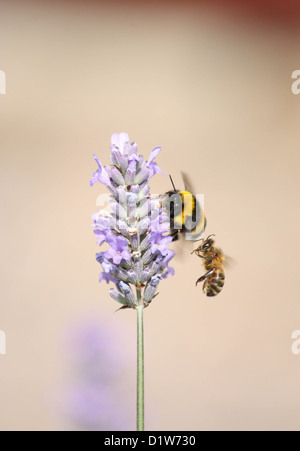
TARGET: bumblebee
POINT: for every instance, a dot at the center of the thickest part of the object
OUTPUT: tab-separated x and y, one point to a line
185	213
213	262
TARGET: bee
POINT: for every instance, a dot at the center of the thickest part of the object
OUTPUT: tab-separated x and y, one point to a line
213	262
184	211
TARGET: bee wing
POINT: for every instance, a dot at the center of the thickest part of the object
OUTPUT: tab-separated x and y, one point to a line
187	183
229	262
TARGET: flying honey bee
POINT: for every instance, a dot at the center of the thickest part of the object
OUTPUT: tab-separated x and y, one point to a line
185	213
213	262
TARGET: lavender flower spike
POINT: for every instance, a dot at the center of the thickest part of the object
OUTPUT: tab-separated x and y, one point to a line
136	230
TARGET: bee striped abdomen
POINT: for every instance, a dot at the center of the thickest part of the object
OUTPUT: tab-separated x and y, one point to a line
214	283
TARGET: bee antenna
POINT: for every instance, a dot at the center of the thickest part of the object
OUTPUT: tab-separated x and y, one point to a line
212	234
172	182
200	239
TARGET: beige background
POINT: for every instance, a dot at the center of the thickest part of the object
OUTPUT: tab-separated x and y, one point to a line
215	93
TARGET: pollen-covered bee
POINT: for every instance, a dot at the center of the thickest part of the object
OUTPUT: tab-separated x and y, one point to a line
213	262
185	213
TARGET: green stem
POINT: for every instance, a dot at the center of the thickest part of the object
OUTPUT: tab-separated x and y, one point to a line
140	363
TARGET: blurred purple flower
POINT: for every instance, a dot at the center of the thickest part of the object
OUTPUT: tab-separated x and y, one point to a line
93	398
93	408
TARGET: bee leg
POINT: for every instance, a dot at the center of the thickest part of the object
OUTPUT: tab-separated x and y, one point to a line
205	258
195	251
205	276
212	234
175	235
202	256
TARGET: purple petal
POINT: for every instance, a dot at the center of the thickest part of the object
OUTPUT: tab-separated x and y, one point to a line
154	154
118	243
126	255
119	139
154	169
101	236
107	277
100	175
134	158
106	265
115	256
